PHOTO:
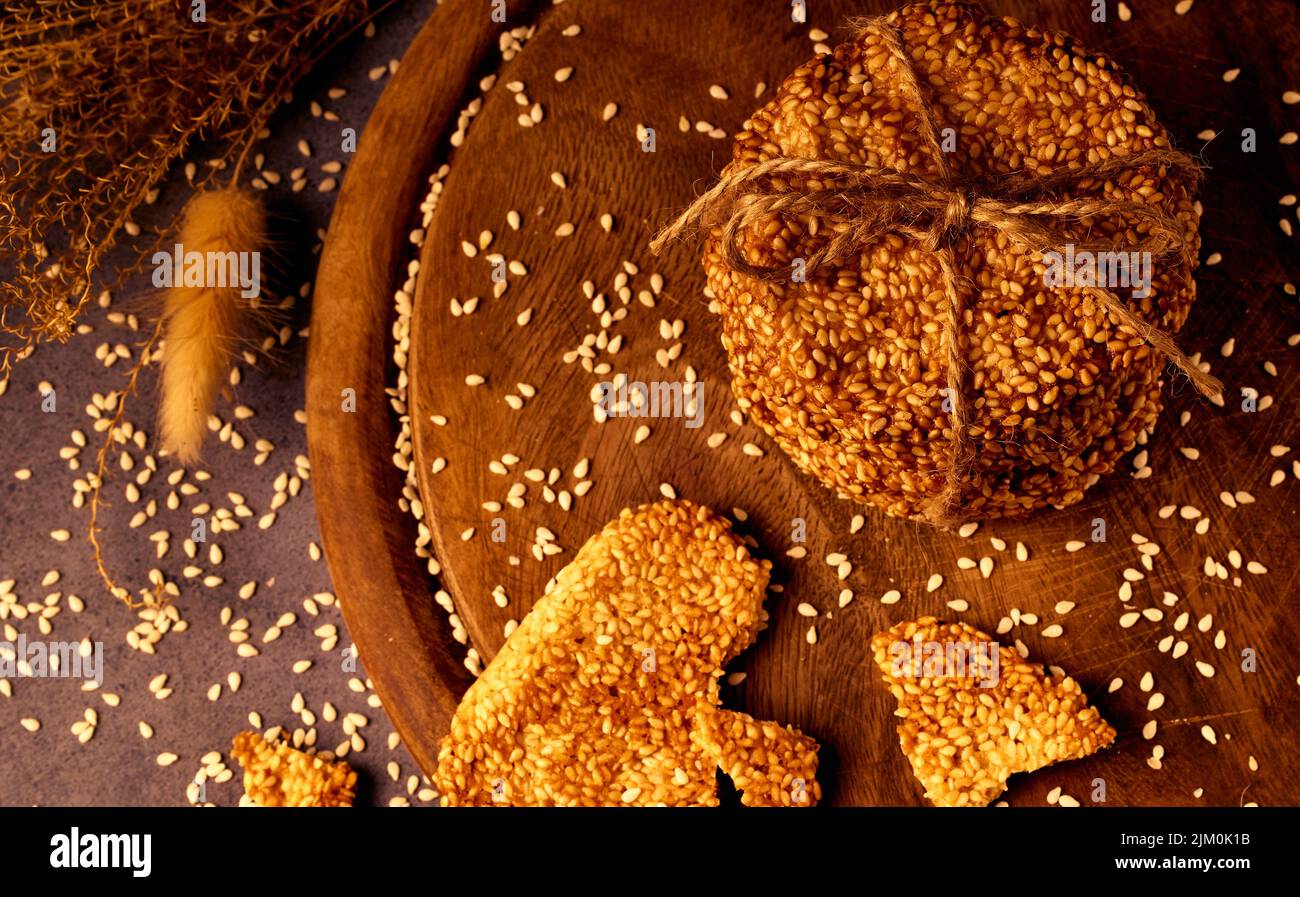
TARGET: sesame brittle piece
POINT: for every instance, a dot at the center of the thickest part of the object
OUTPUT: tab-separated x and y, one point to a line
277	775
770	764
974	713
589	702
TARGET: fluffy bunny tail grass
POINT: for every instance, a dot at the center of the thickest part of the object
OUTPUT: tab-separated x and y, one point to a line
205	313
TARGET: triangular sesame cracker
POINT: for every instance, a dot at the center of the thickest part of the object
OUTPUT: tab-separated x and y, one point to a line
987	714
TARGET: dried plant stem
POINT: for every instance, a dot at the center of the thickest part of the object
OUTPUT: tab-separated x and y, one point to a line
152	596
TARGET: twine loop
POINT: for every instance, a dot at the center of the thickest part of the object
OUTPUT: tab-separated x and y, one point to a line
860	204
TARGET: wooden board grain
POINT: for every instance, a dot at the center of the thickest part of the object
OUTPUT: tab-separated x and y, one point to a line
657	62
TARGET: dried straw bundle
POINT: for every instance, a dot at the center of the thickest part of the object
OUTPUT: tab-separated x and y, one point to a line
98	100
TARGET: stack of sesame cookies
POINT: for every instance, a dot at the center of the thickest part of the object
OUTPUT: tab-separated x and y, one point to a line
849	369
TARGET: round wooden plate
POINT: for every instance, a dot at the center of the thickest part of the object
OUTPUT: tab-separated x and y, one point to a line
657	65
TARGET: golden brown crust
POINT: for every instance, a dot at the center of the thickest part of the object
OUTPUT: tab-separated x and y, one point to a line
845	371
277	775
964	737
590	701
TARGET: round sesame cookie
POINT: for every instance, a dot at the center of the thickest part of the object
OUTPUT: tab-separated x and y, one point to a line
846	371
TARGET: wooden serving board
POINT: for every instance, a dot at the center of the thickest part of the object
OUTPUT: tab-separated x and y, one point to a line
656	60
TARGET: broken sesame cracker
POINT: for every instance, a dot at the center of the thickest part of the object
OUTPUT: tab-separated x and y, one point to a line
277	775
589	702
965	735
770	764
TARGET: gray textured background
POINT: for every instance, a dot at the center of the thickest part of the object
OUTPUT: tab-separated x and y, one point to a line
118	766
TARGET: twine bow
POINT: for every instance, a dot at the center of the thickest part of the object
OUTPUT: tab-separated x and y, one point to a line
862	203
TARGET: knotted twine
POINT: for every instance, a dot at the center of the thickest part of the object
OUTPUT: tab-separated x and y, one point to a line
863	203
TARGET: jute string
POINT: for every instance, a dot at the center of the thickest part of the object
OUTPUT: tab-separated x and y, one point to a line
863	203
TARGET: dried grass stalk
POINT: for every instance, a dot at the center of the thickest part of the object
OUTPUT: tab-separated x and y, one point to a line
203	322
